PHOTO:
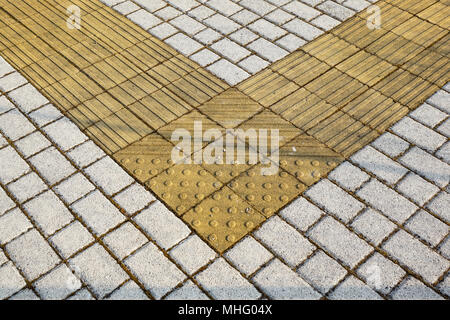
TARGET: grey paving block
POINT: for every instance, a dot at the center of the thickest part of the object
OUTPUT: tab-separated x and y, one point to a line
124	240
334	200
428	115
134	198
281	283
322	272
27	98
82	295
418	134
413	289
6	202
192	254
444	152
129	291
45	115
74	188
373	226
32	144
25	295
418	257
189	291
334	238
380	165
48	212
13	224
32	254
157	273
444	128
285	241
301	213
380	273
15	125
354	289
224	282
444	286
71	239
162	225
5	105
27	187
248	255
12	81
440	205
387	201
98	212
3	258
65	134
444	248
85	154
12	165
440	100
98	270
390	144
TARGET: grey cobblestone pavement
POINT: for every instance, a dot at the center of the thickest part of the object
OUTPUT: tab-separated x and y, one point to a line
74	225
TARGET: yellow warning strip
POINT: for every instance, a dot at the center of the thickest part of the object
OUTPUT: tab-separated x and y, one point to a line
129	91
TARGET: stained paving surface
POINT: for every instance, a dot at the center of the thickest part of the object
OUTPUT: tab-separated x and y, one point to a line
333	222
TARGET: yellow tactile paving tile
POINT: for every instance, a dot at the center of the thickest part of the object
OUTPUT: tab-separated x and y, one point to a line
129	92
146	158
183	186
267	193
308	159
223	218
230	108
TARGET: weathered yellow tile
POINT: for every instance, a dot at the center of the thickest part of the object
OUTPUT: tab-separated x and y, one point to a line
223	219
183	186
267	193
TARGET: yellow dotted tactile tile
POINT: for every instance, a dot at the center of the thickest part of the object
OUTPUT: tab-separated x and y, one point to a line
267	193
183	186
223	218
308	159
230	108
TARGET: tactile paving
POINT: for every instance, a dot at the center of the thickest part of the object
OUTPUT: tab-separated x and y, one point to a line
129	92
230	108
308	159
183	186
267	193
223	218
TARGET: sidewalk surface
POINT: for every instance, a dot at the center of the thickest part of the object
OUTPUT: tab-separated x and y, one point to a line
92	205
